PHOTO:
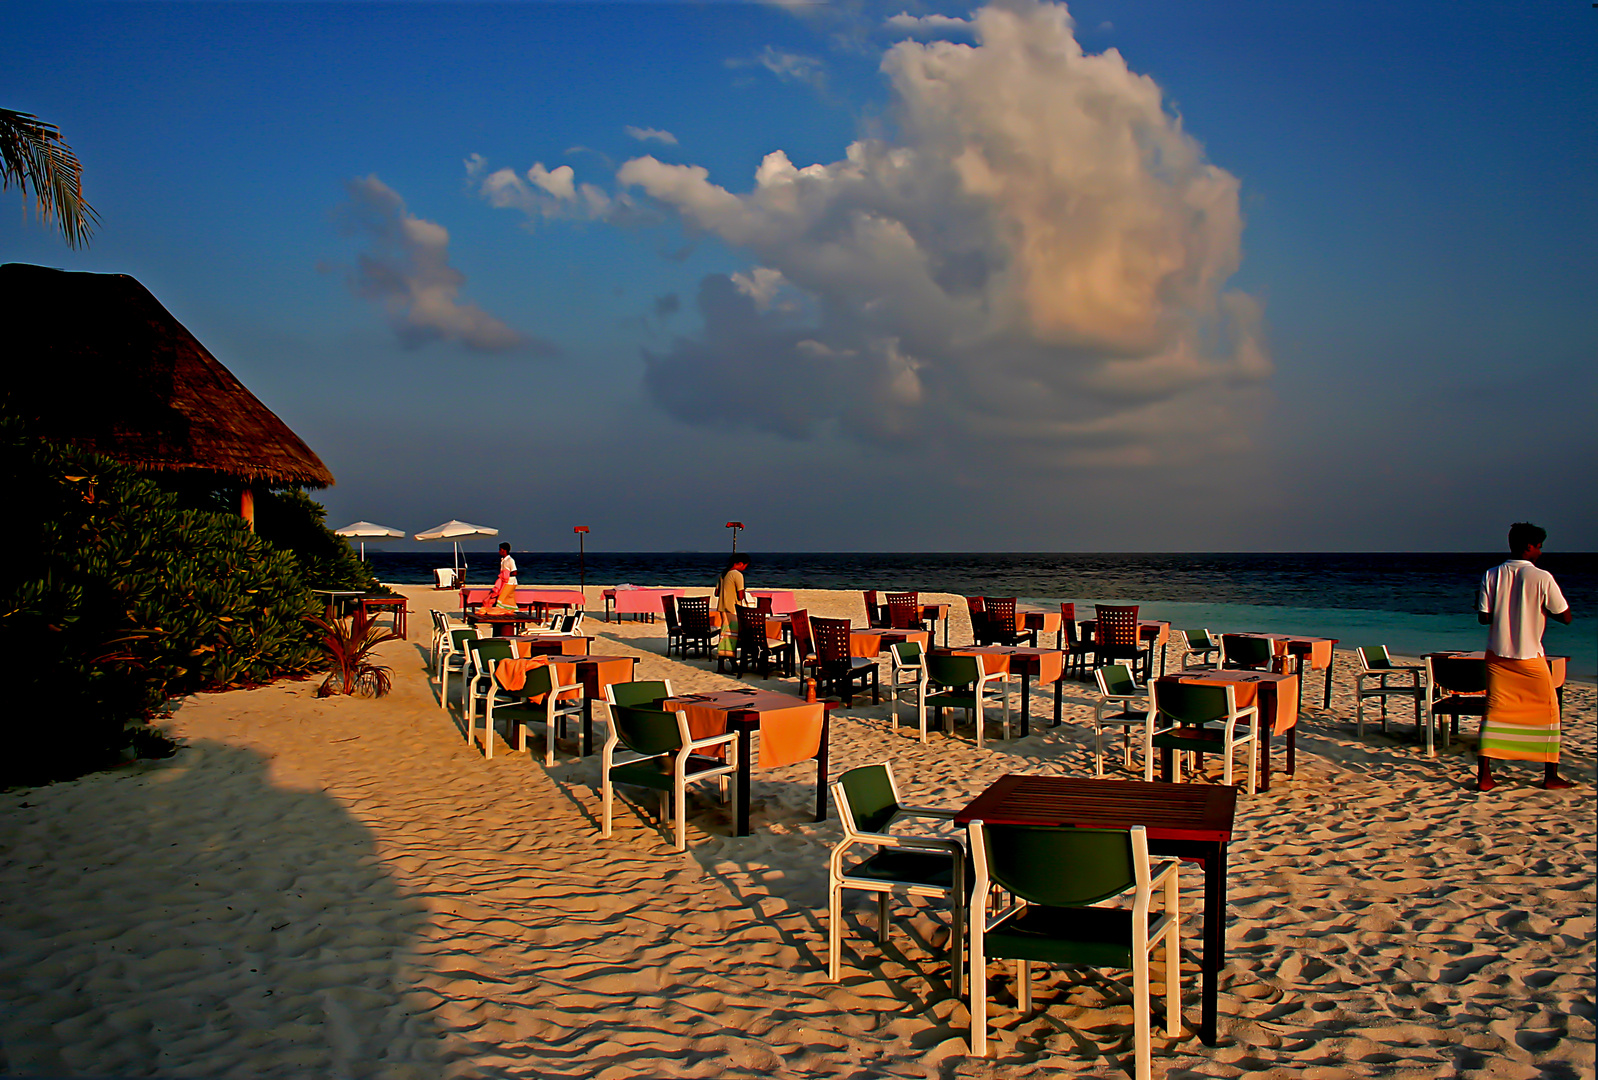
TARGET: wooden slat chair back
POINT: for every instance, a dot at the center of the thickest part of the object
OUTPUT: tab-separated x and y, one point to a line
904	610
838	669
697	633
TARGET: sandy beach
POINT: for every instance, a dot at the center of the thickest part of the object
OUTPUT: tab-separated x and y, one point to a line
346	888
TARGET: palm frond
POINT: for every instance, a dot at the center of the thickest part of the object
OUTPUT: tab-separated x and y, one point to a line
35	157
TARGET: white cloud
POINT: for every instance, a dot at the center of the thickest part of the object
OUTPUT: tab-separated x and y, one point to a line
928	25
651	135
760	285
787	66
407	272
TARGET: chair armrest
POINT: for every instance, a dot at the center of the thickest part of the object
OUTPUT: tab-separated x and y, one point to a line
910	843
714	740
927	811
1160	869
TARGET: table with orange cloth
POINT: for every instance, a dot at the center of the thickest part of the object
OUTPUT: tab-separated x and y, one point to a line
1317	650
1556	666
791	730
1154	631
593	672
551	644
1276	694
1037	620
874	641
1047	665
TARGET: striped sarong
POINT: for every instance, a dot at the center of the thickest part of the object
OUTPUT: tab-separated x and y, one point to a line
1522	721
728	646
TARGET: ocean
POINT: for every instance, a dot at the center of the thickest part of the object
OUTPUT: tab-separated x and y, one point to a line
1412	603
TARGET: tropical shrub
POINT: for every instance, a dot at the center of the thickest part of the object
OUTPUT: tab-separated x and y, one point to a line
114	600
347	646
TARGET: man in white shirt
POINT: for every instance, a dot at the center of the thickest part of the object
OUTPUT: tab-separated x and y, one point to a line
1515	600
502	596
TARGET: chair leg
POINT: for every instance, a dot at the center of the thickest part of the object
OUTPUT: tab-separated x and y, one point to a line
1023	987
883	900
834	930
1098	751
978	994
1359	713
608	797
1141	1034
1253	759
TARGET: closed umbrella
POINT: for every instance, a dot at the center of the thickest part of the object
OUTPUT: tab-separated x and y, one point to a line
456	531
365	530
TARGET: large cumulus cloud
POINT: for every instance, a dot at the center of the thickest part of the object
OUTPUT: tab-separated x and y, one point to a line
1036	261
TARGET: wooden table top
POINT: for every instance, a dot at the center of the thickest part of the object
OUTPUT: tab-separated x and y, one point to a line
1167	811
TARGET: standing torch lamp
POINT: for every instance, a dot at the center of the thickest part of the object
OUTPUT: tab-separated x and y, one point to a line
735	526
582	572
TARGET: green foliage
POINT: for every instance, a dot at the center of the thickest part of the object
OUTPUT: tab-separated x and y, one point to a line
114	599
293	521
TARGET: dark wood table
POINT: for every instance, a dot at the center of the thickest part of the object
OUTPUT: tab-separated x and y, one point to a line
1276	694
396	606
1190	821
743	709
338	599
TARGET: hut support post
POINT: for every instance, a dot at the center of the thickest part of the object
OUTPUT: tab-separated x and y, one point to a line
247	505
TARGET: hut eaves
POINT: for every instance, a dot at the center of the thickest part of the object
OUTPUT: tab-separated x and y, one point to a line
102	364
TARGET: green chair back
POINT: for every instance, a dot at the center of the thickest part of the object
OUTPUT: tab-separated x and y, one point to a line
459	638
639	695
1251	652
1375	657
907	653
1459	674
1116	679
869	791
540	680
1198	639
647	731
953	670
487	652
1190	704
1059	867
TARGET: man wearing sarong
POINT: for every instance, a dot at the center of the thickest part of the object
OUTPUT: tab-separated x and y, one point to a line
502	597
1515	601
729	594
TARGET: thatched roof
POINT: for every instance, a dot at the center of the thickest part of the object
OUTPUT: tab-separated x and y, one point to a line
97	361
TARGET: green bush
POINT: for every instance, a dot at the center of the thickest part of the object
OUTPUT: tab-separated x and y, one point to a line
293	521
114	600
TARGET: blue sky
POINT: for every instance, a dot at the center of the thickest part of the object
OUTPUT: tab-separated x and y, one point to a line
1265	277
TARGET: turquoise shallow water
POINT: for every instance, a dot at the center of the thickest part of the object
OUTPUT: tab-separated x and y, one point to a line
1404	634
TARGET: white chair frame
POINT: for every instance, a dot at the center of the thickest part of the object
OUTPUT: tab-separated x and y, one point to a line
1418	688
679	771
1231	742
1127	703
908	680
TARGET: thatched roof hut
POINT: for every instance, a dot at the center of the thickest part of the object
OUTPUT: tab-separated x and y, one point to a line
100	363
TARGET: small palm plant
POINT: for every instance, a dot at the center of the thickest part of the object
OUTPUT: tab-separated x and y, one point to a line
348	645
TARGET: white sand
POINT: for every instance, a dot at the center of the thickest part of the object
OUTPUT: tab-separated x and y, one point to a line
344	888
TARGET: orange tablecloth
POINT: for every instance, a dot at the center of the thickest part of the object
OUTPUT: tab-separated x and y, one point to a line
1037	619
1047	664
512	675
873	642
1277	695
1319	649
1156	630
790	729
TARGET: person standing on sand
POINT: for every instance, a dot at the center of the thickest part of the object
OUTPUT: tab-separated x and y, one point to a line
1515	600
729	594
502	596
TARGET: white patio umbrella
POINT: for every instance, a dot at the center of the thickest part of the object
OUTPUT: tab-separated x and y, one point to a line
456	531
365	530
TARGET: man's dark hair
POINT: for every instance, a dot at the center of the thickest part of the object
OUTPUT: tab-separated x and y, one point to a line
1523	534
504	547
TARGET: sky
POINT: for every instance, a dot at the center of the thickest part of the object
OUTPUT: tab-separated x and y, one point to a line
1016	276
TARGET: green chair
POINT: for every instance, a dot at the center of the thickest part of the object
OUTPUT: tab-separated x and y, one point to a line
1455	686
483	654
1247	652
1199	649
1189	708
558	706
958	682
453	656
639	695
663	758
868	805
1376	667
908	682
1056	878
1117	687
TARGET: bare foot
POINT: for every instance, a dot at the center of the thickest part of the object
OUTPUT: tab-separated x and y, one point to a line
1555	782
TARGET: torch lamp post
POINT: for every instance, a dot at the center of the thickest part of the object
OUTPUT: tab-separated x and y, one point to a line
582	572
735	526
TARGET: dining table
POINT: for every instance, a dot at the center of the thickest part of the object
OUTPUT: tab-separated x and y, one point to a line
1193	822
1312	652
867	642
791	730
370	604
1276	694
1045	665
933	613
1558	667
338	600
553	644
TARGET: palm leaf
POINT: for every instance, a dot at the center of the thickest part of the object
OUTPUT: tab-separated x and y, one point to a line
35	157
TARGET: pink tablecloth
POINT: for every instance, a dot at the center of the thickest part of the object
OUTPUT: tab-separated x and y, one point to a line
472	595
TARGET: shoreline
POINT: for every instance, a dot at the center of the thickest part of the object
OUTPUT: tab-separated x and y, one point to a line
344	887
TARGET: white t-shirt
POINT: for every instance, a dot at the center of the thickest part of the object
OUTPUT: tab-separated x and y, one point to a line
507	567
1515	594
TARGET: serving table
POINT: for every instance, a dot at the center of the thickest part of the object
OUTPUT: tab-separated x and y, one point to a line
791	728
1190	821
